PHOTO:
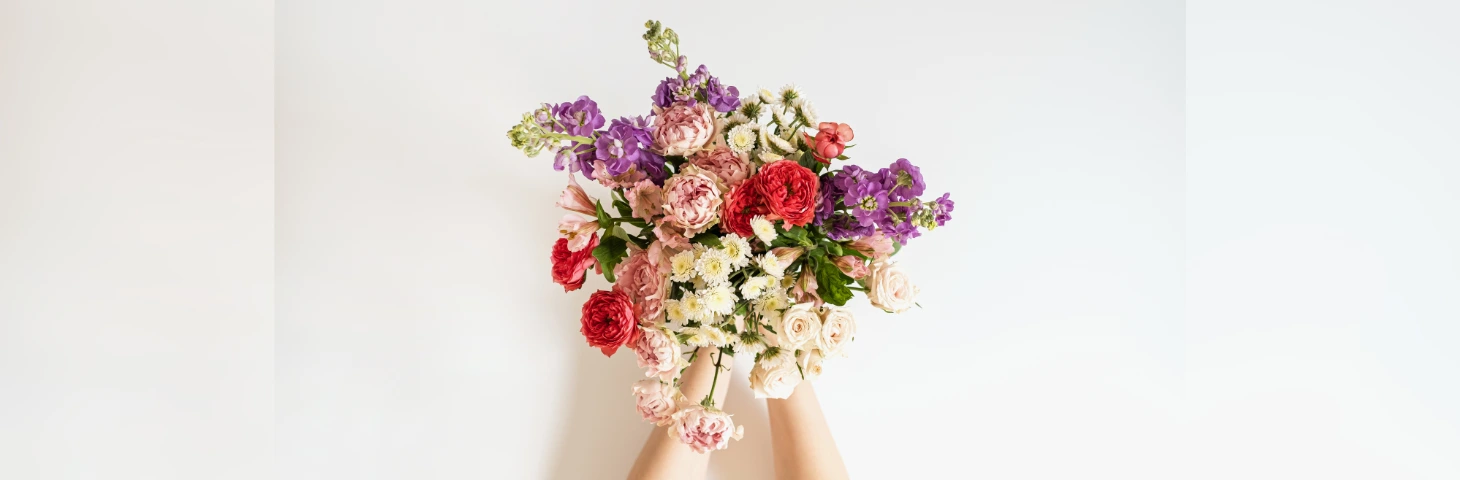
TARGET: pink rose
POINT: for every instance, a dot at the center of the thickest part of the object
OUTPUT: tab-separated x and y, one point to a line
646	200
682	129
875	246
642	279
729	166
577	230
704	430
658	353
672	238
655	401
692	200
576	200
852	266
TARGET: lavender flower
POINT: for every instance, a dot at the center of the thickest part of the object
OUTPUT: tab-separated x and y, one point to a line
723	97
942	209
617	148
830	194
578	158
868	201
905	179
580	118
899	226
841	227
668	92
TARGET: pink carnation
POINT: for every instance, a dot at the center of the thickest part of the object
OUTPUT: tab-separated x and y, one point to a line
682	129
641	277
729	166
704	430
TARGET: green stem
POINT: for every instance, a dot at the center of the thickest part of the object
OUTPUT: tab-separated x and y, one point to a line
859	289
710	397
902	204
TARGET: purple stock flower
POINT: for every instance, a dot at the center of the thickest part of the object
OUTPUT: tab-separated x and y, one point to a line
578	158
905	180
868	201
581	117
901	231
942	209
723	97
841	226
830	196
668	92
849	176
618	149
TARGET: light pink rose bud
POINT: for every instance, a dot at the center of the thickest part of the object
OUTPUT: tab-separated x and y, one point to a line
682	129
786	255
577	230
576	200
852	266
657	353
805	288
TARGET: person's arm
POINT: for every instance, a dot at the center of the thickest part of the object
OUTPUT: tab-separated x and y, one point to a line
664	457
800	438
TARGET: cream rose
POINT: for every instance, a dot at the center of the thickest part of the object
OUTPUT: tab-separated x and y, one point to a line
682	129
889	288
774	379
799	326
656	401
810	361
837	329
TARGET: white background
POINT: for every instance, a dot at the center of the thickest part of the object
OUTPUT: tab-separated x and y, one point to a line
1279	300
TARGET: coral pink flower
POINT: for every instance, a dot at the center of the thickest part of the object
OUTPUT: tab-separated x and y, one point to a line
831	140
789	190
608	321
569	266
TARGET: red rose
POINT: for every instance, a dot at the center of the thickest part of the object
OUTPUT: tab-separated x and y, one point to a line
789	190
569	266
608	321
831	140
741	204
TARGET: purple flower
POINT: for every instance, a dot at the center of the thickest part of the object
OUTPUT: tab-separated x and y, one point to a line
906	181
578	158
723	97
618	149
668	92
868	201
942	209
581	117
841	226
851	175
831	195
901	231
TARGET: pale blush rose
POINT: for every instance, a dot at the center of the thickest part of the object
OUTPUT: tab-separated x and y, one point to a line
655	401
692	200
852	266
576	200
800	326
682	129
889	288
774	379
627	179
729	166
804	290
837	329
640	277
577	230
658	353
704	430
875	246
646	200
810	361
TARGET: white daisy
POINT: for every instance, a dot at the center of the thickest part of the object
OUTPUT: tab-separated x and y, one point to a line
772	265
753	287
790	93
805	111
749	344
772	303
719	299
767	156
694	307
768	97
782	142
682	266
695	337
714	266
715	336
736	118
764	229
742	138
675	310
738	248
782	115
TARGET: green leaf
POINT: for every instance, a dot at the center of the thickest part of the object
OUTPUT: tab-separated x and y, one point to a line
604	220
896	247
610	251
842	157
831	284
623	208
834	248
799	235
708	239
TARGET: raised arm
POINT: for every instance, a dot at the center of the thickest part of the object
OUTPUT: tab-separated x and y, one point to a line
801	439
666	458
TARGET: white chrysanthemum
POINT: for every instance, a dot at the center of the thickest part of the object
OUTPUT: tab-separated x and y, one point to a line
694	307
716	336
806	112
783	144
748	345
755	286
714	266
741	139
719	299
765	155
764	229
695	337
782	115
675	310
752	99
738	248
790	93
682	266
771	265
736	118
767	97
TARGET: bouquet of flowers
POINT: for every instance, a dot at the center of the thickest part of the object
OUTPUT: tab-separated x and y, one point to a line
730	230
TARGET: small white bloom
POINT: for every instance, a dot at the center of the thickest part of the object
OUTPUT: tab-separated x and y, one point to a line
790	93
774	300
754	287
781	115
675	310
738	248
742	138
714	266
772	265
748	345
736	118
782	142
768	97
806	112
764	229
720	299
682	266
767	156
695	337
694	307
716	336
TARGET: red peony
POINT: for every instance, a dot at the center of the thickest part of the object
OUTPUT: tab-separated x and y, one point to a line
741	204
830	141
569	266
789	190
608	321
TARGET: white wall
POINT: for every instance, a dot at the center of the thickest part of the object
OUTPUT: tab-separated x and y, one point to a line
420	337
